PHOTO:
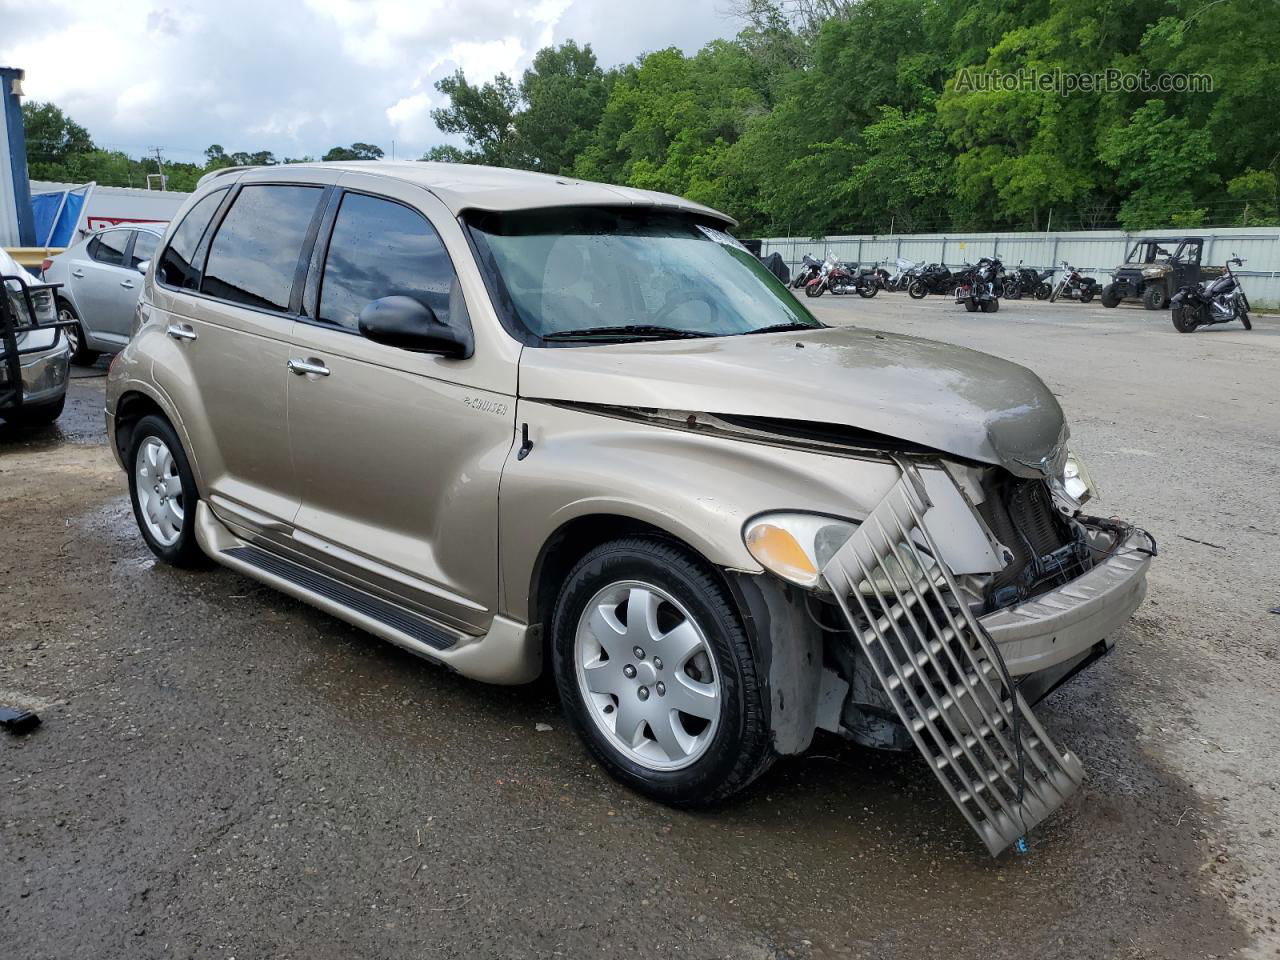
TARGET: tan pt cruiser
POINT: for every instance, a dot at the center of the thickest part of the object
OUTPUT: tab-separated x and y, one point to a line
512	422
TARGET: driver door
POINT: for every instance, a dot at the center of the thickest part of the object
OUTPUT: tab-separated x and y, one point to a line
397	453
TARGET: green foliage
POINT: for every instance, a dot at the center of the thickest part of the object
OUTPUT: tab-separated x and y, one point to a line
858	115
357	151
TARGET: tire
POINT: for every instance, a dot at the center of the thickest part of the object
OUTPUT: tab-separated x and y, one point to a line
917	290
1244	318
1110	297
733	747
867	291
34	415
1043	291
1086	294
1013	291
990	306
174	481
970	306
814	288
1184	321
80	354
1153	298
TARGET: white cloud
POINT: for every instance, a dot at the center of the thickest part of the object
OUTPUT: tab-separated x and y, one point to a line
299	76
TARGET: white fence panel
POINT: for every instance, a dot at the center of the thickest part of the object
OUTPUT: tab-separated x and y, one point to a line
1094	253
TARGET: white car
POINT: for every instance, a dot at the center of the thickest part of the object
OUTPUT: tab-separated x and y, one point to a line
101	279
33	362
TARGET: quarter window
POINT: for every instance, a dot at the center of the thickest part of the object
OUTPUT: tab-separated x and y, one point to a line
254	255
380	248
176	267
144	248
109	247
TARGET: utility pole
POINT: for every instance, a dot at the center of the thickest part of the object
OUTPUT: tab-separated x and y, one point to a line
159	169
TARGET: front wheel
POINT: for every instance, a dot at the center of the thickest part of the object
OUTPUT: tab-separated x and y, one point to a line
990	306
917	290
32	415
163	490
970	306
1111	296
80	353
1153	298
655	672
814	288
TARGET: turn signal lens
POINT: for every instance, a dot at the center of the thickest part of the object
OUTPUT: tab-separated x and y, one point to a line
779	552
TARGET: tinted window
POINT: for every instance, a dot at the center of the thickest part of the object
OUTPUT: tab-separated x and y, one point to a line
144	248
176	268
381	249
254	255
109	247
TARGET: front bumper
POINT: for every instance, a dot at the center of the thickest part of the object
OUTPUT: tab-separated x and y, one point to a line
1070	621
44	374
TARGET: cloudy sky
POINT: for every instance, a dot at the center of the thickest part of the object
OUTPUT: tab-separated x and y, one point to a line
299	76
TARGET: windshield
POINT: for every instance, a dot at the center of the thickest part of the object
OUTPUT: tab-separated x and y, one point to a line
576	273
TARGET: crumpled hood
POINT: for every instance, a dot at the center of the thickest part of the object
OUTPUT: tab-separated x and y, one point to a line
949	398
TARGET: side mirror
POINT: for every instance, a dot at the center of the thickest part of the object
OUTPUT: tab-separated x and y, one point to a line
142	266
410	325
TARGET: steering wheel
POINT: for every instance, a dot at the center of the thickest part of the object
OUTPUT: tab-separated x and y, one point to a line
687	296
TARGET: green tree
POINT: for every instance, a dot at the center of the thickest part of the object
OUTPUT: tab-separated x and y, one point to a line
484	116
357	151
52	136
562	95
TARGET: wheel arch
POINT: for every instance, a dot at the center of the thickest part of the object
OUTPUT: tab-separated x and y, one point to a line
135	402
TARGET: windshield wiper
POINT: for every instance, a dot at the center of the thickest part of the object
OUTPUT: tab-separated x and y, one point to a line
789	325
629	331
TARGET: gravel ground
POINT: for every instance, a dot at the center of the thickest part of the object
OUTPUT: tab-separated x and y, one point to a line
223	772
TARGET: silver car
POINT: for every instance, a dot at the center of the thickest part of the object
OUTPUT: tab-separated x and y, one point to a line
100	277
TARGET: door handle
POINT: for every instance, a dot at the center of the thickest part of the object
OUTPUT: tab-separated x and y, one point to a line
312	366
180	331
127	284
77	273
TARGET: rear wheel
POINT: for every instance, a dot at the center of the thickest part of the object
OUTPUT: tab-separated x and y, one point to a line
868	290
1184	319
655	672
990	306
1153	298
1043	291
80	354
1110	296
163	490
1086	294
970	306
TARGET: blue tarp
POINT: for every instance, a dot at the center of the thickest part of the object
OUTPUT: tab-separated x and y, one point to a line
46	206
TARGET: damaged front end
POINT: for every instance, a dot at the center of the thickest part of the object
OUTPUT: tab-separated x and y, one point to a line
965	596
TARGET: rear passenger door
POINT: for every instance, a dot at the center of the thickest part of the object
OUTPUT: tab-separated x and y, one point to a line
105	287
230	324
397	455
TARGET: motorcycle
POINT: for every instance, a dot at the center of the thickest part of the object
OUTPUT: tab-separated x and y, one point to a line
907	271
935	278
977	288
840	278
1219	300
809	268
1074	286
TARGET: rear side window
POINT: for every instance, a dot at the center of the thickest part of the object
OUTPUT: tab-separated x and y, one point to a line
176	268
109	247
254	255
144	248
380	248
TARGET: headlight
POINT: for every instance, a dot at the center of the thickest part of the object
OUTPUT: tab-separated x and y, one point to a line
796	546
1076	480
1152	271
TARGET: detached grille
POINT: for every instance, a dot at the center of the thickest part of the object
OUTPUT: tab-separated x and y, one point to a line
1047	551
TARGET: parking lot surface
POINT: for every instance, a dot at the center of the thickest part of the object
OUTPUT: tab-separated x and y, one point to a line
224	772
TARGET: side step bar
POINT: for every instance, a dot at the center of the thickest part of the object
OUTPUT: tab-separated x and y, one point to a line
388	614
943	672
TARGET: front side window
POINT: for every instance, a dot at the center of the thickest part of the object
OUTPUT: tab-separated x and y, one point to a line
144	248
254	255
109	247
583	274
176	268
380	248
